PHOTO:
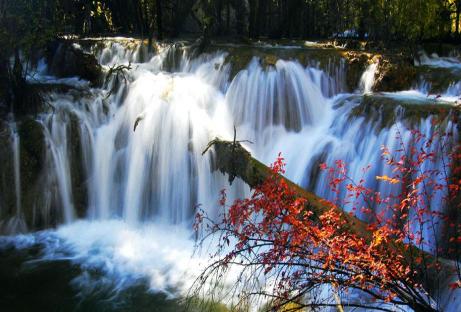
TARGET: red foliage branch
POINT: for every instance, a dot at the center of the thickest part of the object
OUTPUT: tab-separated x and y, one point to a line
275	233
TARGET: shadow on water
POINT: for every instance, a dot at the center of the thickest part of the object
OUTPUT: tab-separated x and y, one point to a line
28	284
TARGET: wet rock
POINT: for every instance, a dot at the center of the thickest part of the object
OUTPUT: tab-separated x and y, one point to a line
441	49
32	164
31	285
357	63
78	177
32	149
395	73
438	79
385	111
240	56
67	59
7	191
269	60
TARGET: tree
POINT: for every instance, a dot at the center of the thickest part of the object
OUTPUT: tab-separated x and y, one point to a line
286	253
26	26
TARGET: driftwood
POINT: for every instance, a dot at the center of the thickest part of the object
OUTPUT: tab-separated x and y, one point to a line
117	71
232	158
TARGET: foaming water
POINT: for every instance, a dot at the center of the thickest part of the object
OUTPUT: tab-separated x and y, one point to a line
127	253
113	256
446	69
435	60
17	167
367	80
423	97
16	223
139	151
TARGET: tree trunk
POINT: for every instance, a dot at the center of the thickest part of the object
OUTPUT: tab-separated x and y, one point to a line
458	11
252	19
158	9
261	19
233	159
228	7
219	23
180	11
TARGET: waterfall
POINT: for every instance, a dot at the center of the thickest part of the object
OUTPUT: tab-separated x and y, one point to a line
16	223
157	172
434	60
136	143
445	69
367	80
17	169
282	108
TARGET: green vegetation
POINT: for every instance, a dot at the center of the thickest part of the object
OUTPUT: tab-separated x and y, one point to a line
28	25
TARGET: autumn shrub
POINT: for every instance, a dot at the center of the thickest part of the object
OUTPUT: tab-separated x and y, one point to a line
286	252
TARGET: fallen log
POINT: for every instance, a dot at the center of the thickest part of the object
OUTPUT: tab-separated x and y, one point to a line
233	159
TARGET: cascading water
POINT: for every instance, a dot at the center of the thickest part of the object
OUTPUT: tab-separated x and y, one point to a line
368	78
446	69
140	146
17	170
435	60
16	223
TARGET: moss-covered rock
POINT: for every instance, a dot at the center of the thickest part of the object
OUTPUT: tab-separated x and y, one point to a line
384	111
394	73
240	56
357	63
439	79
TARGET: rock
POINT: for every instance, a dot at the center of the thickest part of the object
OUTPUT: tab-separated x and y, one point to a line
441	49
32	163
269	60
7	190
394	73
381	110
438	79
67	59
232	158
357	63
78	176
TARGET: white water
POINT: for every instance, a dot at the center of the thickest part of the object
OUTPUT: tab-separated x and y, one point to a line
151	179
16	223
434	60
17	169
367	80
123	252
452	66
